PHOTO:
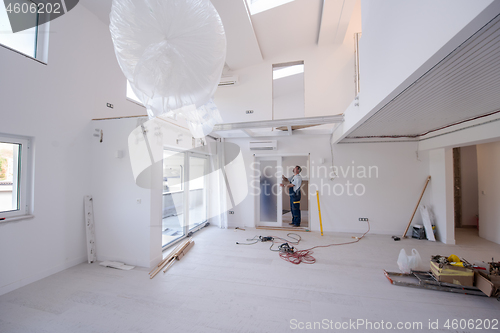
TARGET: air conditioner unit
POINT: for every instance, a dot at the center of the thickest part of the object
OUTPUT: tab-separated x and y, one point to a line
228	81
264	145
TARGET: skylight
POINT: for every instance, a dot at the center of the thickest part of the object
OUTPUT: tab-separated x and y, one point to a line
288	71
257	6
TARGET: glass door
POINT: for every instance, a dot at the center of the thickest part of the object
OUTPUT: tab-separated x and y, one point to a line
173	226
269	198
198	170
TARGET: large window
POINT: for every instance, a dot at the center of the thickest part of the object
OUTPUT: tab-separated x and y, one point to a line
184	194
14	177
31	42
258	6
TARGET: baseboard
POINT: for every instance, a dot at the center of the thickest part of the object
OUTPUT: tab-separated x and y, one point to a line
41	275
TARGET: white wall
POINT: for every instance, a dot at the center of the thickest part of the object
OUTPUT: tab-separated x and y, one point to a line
289	106
388	201
403	39
488	161
440	149
328	84
468	166
128	231
54	104
123	227
441	193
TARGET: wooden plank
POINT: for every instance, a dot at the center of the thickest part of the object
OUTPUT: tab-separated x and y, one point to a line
171	256
416	207
183	253
167	258
285	229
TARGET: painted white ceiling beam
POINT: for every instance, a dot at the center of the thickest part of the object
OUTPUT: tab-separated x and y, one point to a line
281	122
243	49
335	18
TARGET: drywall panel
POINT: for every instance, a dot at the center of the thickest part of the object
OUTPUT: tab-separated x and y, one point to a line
379	181
488	164
470	205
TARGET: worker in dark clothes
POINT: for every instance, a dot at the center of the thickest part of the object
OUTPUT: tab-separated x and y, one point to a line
294	191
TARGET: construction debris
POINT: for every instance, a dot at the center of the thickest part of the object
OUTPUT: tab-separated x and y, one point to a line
117	265
177	253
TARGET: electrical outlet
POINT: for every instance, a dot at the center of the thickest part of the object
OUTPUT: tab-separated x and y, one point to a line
231	212
363	219
138	201
109	105
249	111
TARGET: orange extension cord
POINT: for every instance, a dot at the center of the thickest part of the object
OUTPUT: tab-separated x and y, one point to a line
305	256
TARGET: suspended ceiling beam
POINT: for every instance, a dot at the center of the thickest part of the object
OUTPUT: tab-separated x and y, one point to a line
281	122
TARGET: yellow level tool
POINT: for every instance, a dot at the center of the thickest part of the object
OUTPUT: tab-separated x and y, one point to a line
319	210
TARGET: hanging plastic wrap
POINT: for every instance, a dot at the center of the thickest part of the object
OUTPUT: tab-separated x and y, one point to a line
172	52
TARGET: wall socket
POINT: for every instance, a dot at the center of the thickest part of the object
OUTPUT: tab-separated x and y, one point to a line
363	219
231	212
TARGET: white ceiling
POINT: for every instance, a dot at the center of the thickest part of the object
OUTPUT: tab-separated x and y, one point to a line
464	85
100	8
288	27
250	39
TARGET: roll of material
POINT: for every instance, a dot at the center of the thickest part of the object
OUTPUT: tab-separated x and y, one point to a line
172	52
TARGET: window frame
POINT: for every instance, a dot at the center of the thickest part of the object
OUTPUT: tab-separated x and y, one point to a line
25	179
41	40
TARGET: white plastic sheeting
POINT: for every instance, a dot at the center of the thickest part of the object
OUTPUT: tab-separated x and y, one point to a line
172	52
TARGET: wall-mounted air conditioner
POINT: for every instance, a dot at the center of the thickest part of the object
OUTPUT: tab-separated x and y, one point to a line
264	145
228	81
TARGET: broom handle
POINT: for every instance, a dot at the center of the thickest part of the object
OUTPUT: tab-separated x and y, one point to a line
418	203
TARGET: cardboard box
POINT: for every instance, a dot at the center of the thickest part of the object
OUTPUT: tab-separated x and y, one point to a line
453	274
482	282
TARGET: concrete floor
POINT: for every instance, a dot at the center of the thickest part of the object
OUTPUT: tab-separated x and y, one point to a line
223	287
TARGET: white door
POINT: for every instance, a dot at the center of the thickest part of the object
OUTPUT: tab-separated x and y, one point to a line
268	200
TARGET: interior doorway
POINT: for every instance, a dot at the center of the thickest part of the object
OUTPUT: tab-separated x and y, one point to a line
465	187
273	203
289	163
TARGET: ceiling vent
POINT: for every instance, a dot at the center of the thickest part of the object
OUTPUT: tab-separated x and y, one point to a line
264	145
228	81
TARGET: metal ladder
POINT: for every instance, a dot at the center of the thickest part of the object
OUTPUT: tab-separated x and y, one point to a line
425	280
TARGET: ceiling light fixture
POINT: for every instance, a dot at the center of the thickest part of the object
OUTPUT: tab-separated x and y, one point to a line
288	71
258	6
